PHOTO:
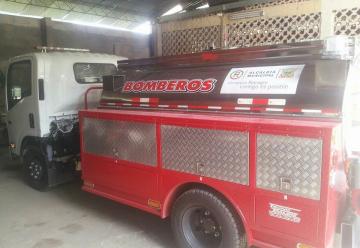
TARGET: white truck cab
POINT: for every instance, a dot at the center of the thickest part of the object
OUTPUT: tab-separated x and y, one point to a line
44	91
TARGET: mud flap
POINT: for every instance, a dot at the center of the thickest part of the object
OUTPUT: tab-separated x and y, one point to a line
59	173
357	232
350	229
350	233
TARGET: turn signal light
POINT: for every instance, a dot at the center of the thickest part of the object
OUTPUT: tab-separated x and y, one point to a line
154	204
208	56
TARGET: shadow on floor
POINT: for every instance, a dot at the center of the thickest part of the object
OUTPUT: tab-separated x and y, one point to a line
155	228
71	196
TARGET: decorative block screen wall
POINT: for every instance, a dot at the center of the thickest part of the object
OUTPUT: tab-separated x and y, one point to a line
284	21
190	40
347	22
269	31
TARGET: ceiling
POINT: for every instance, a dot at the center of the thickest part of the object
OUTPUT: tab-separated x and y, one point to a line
127	14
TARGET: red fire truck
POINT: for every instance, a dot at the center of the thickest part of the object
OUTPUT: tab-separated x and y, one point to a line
241	147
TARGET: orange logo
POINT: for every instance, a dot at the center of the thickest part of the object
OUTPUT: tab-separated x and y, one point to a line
287	73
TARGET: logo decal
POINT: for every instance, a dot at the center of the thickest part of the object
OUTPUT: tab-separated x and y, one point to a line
269	80
285	213
237	74
175	86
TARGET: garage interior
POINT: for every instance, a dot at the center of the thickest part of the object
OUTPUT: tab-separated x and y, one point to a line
67	216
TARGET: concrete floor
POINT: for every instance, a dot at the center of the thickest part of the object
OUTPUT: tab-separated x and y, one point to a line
68	217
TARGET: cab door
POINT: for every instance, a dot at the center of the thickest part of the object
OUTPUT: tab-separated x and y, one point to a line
21	98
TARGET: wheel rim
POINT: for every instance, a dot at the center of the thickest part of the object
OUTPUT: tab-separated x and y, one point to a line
201	228
35	170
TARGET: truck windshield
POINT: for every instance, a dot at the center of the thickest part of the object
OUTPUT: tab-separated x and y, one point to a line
88	73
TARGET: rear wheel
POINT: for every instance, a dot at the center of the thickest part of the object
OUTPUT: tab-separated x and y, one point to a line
201	219
34	169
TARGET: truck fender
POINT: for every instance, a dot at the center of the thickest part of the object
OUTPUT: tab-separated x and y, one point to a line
176	191
29	140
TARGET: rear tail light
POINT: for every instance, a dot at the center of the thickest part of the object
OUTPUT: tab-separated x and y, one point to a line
356	200
208	56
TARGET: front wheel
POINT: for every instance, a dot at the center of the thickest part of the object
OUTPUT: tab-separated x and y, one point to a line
35	169
201	219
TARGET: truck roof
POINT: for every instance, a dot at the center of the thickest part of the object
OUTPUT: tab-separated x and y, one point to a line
334	48
72	56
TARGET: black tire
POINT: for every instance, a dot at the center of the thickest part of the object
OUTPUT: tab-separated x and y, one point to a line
35	169
202	219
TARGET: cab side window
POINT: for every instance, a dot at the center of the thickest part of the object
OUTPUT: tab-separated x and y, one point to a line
18	82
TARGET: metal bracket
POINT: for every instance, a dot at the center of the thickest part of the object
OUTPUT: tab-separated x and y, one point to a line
199	168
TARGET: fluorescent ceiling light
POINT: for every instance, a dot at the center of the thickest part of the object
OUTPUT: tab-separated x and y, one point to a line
203	6
91	24
173	10
144	28
64	17
18	14
139	29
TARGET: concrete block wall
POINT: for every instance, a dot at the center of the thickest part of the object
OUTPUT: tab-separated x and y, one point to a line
19	35
124	43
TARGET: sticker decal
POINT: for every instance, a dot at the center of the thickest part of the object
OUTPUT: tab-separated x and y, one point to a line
169	86
284	213
263	80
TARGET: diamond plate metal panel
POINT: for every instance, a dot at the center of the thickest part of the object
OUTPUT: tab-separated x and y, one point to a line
124	140
296	159
221	154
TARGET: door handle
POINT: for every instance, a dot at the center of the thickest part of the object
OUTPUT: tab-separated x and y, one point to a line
31	120
9	122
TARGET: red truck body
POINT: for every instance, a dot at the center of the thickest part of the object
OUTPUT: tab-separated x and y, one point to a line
284	174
